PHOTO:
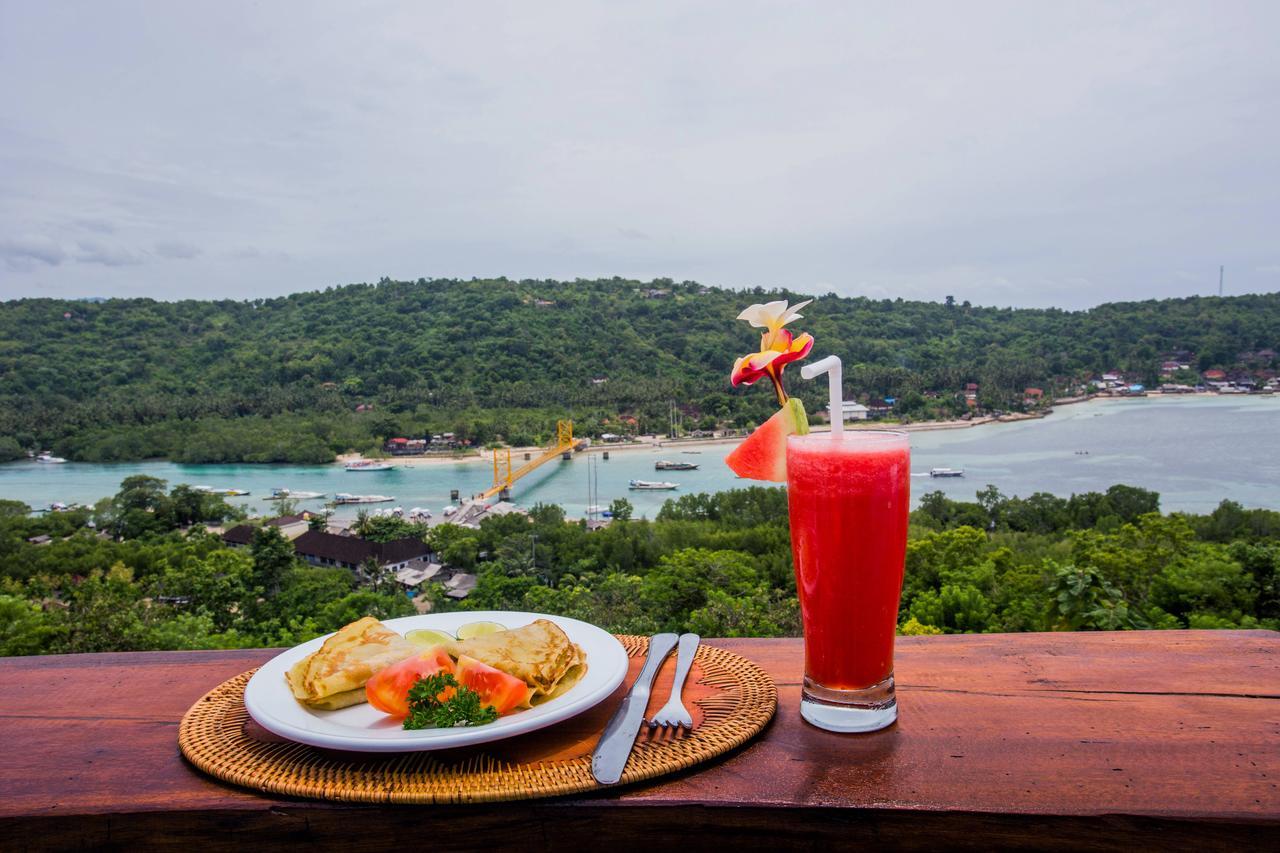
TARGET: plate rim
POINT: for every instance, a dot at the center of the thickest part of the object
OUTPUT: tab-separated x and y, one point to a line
432	739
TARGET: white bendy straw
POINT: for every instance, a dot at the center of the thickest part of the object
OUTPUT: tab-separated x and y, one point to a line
835	389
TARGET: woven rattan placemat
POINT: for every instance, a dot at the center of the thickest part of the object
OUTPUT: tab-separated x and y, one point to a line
730	698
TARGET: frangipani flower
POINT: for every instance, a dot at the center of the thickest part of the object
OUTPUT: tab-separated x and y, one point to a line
778	347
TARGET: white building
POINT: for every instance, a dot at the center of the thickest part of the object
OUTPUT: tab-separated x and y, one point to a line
852	411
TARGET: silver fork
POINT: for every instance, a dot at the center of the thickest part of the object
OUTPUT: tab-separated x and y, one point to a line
674	713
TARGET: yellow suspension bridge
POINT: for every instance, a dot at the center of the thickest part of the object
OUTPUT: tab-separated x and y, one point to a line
503	475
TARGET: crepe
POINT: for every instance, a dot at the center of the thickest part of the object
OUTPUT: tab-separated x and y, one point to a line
334	675
540	654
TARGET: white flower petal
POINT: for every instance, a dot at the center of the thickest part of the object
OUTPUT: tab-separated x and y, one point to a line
793	313
766	315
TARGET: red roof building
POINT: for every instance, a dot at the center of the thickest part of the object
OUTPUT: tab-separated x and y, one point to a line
1216	375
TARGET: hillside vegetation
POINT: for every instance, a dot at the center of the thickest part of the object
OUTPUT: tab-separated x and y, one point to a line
281	379
719	565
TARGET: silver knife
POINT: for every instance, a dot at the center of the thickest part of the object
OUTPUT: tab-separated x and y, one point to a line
614	748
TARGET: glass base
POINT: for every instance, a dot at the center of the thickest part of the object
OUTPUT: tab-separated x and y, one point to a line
867	710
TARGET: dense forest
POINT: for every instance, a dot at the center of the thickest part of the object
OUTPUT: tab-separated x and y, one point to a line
282	379
140	571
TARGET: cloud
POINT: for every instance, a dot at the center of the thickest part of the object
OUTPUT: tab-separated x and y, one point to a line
256	253
97	226
177	250
1064	154
28	251
108	256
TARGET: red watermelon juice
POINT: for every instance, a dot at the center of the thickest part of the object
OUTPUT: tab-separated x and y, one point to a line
848	498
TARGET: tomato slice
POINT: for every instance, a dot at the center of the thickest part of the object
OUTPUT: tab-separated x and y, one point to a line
504	692
388	691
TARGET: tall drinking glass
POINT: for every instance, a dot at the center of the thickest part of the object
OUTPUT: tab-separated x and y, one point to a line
848	496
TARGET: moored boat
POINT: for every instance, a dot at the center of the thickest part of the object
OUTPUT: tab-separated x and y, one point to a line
291	495
651	486
226	493
368	465
49	459
343	498
946	472
666	465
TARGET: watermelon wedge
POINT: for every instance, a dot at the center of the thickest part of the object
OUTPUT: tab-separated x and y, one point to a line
763	456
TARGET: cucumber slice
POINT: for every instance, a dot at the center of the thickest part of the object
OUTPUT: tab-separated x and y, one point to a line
479	629
428	637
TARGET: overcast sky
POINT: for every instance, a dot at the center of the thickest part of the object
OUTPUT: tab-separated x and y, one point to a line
1022	153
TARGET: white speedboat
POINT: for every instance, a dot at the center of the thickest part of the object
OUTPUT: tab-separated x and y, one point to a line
368	465
226	493
946	472
291	495
651	486
343	498
50	459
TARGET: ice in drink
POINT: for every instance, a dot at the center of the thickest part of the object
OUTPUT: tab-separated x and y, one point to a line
848	496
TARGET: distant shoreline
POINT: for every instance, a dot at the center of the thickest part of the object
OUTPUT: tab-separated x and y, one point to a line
656	443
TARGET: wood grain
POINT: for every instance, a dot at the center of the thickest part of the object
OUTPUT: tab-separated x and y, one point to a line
1044	740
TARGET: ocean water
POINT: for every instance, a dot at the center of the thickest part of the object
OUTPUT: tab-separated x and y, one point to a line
1194	451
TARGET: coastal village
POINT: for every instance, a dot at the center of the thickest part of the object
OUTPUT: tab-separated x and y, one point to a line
1178	376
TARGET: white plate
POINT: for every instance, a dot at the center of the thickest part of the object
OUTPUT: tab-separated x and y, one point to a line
362	728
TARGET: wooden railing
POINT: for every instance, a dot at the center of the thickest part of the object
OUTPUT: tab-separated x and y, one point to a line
1153	740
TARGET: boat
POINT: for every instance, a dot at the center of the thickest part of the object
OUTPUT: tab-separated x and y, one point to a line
665	465
342	498
49	459
946	472
291	495
225	493
59	506
691	452
651	486
368	465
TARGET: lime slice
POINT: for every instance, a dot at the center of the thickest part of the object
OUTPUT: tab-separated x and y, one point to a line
479	629
428	637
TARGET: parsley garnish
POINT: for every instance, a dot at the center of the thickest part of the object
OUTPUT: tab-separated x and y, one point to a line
463	708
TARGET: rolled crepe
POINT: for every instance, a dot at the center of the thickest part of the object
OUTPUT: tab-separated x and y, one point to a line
540	654
334	675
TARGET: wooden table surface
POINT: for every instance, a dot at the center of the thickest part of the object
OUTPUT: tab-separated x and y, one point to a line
1059	741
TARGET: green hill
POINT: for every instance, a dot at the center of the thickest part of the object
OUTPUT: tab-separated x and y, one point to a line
281	379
